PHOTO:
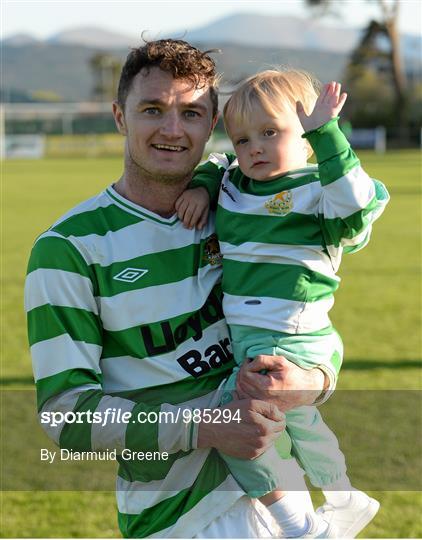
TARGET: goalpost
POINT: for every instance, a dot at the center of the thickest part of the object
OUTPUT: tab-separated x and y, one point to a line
24	128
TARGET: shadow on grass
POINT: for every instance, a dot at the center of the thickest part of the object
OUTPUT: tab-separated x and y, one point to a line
353	364
363	365
11	381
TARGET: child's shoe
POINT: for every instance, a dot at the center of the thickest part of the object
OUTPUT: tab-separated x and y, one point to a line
319	528
351	518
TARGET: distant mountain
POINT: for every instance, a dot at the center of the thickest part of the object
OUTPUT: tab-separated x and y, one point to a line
276	31
94	37
18	40
249	42
249	29
64	69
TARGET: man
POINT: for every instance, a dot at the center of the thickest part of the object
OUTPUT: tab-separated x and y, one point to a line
124	313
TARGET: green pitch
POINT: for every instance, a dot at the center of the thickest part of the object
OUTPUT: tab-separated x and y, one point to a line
377	312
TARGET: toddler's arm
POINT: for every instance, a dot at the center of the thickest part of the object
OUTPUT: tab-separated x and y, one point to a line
350	201
192	207
327	106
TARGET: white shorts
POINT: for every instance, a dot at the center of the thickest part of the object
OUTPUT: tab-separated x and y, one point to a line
248	518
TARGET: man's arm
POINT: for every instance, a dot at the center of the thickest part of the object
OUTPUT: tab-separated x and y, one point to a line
66	339
260	425
284	384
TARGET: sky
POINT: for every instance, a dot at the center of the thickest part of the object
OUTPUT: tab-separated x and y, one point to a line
42	19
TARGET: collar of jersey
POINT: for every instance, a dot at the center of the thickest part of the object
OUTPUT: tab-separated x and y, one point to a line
288	180
138	210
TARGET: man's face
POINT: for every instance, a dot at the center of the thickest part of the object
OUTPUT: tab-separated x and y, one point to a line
167	122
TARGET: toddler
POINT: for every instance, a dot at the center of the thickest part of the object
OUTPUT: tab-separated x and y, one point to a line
282	227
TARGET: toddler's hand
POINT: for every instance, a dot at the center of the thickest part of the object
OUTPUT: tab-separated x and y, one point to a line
192	207
327	106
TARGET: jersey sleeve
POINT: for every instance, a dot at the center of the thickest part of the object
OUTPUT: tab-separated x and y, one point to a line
350	201
65	337
210	174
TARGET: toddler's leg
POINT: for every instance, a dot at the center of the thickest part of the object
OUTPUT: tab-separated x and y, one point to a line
316	447
294	512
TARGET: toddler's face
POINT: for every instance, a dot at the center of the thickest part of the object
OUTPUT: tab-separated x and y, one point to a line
268	146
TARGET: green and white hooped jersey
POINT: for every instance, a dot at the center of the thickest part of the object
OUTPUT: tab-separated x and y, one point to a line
124	311
282	240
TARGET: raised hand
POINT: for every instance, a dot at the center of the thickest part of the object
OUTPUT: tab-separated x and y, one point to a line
327	106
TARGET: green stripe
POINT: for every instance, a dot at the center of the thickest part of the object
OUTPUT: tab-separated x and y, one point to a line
57	254
143	471
271	187
332	150
165	336
47	322
337	228
100	221
138	211
56	384
282	281
336	360
141	436
77	436
180	391
167	512
293	229
334	169
163	267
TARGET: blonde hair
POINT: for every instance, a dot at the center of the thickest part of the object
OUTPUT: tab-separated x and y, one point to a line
273	89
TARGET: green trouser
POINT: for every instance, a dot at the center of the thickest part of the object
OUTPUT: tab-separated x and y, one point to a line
313	444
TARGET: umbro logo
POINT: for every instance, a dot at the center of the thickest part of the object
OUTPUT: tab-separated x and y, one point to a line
130	275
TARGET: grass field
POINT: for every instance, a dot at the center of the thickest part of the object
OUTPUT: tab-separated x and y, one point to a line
377	312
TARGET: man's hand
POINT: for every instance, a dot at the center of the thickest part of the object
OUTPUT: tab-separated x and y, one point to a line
261	424
192	207
327	106
284	384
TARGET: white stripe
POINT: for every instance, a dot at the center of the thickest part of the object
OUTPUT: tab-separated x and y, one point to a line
158	303
347	195
222	160
174	436
360	241
304	200
98	201
64	402
112	435
204	512
133	497
278	314
137	240
311	257
61	353
136	209
130	373
359	238
59	288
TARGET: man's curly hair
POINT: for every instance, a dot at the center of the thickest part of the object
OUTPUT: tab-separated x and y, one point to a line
175	56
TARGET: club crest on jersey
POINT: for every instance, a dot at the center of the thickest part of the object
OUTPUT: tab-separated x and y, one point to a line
281	204
212	253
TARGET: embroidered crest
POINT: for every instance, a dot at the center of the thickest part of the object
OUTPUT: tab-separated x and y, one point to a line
281	204
212	253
